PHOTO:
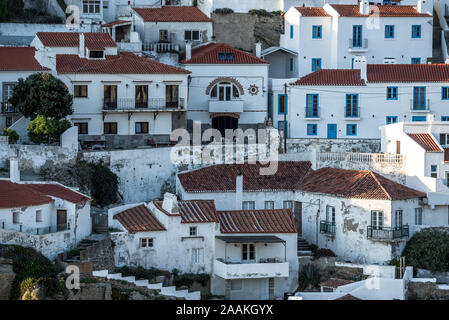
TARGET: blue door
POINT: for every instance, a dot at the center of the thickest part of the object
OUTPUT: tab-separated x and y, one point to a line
332	131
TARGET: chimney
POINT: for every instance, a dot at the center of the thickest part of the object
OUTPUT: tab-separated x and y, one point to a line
238	191
258	49
360	63
170	203
364	7
14	173
420	6
82	47
188	50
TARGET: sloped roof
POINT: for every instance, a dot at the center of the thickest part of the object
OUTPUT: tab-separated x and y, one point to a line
356	184
116	23
92	40
139	219
59	191
19	59
208	54
312	12
426	141
257	221
348	297
172	14
222	177
123	63
193	211
332	77
348	10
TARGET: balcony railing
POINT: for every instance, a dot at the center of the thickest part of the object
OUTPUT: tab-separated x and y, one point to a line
419	105
352	112
312	112
160	47
18	227
251	270
387	233
358	44
129	104
362	157
327	227
7	107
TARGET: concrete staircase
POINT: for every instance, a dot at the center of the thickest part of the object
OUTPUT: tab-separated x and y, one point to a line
165	291
437	55
304	249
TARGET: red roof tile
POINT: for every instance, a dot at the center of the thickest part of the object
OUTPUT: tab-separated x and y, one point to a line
93	40
348	297
59	191
172	14
312	12
348	10
14	195
19	59
446	154
124	63
356	184
257	221
139	219
116	23
208	54
426	141
332	77
222	177
193	211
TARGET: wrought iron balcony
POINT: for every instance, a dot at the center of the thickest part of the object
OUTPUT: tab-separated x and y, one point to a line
7	107
327	227
387	233
419	105
358	45
311	113
18	227
129	104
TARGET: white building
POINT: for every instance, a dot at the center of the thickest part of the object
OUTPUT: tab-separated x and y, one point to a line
354	103
116	95
250	254
15	63
228	87
46	216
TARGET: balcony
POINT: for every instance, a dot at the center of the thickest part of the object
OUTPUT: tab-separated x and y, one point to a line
18	227
327	228
352	113
8	108
312	113
234	106
419	105
387	233
129	104
357	46
160	47
260	269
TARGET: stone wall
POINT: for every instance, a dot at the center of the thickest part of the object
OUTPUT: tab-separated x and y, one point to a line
334	145
100	254
426	291
6	278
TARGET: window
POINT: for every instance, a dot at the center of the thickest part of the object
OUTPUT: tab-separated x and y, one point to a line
418	216
225	56
416	61
96	54
398	219
91	6
291	64
330	214
312	106
38	215
419	118
192	35
352	105
110	128
444	118
351	129
141	96
312	129
198	255
445	93
224	91
146	242
269	205
419	98
392	93
392	119
444	139
389	32
110	97
249	205
377	219
8	90
105	4
80	91
83	127
282	104
434	171
236	284
416	31
288	204
283	126
163	35
171	96
291	31
316	32
193	231
316	64
141	127
357	36
16	217
248	252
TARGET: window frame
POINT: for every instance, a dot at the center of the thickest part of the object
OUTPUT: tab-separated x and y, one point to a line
149	242
290	206
415	60
142	125
389	31
250	204
316	64
198	255
377	219
285	96
110	125
418	216
191	38
434	171
271	206
292	35
443	91
416	31
391	117
81	126
351	129
392	93
193	231
312	129
317	32
78	92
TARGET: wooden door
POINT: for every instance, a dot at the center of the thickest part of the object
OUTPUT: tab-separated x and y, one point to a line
61	217
398	147
297	212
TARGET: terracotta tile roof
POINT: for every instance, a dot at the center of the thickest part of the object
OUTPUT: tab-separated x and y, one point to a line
139	219
59	191
116	23
208	54
15	195
193	211
446	154
93	40
347	10
332	77
348	297
408	72
356	184
335	282
257	221
124	63
19	59
426	141
172	14
312	12
222	177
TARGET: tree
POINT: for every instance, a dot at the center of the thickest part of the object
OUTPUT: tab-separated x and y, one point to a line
47	130
4	13
42	94
11	134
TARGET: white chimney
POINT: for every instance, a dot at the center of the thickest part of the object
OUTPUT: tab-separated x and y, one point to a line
364	7
14	173
258	49
238	191
170	203
420	6
360	63
82	47
188	50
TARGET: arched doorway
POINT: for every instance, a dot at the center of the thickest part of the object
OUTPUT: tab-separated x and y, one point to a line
222	123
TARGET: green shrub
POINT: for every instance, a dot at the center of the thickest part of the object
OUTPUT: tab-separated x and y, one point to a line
104	183
308	276
11	134
5	16
260	12
47	130
187	279
224	11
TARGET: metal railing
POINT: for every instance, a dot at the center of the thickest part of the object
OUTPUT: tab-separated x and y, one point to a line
18	227
387	233
261	260
352	112
7	107
311	112
419	105
160	47
327	227
358	44
149	104
361	157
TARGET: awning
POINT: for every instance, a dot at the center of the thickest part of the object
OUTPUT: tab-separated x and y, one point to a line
249	239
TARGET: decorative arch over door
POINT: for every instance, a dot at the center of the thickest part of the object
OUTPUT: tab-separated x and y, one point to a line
225	79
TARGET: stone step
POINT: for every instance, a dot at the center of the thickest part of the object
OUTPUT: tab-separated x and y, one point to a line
130	279
100	273
168	291
154	286
194	296
141	283
181	293
304	253
114	276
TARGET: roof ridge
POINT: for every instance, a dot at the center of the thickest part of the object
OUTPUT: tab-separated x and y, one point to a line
372	173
